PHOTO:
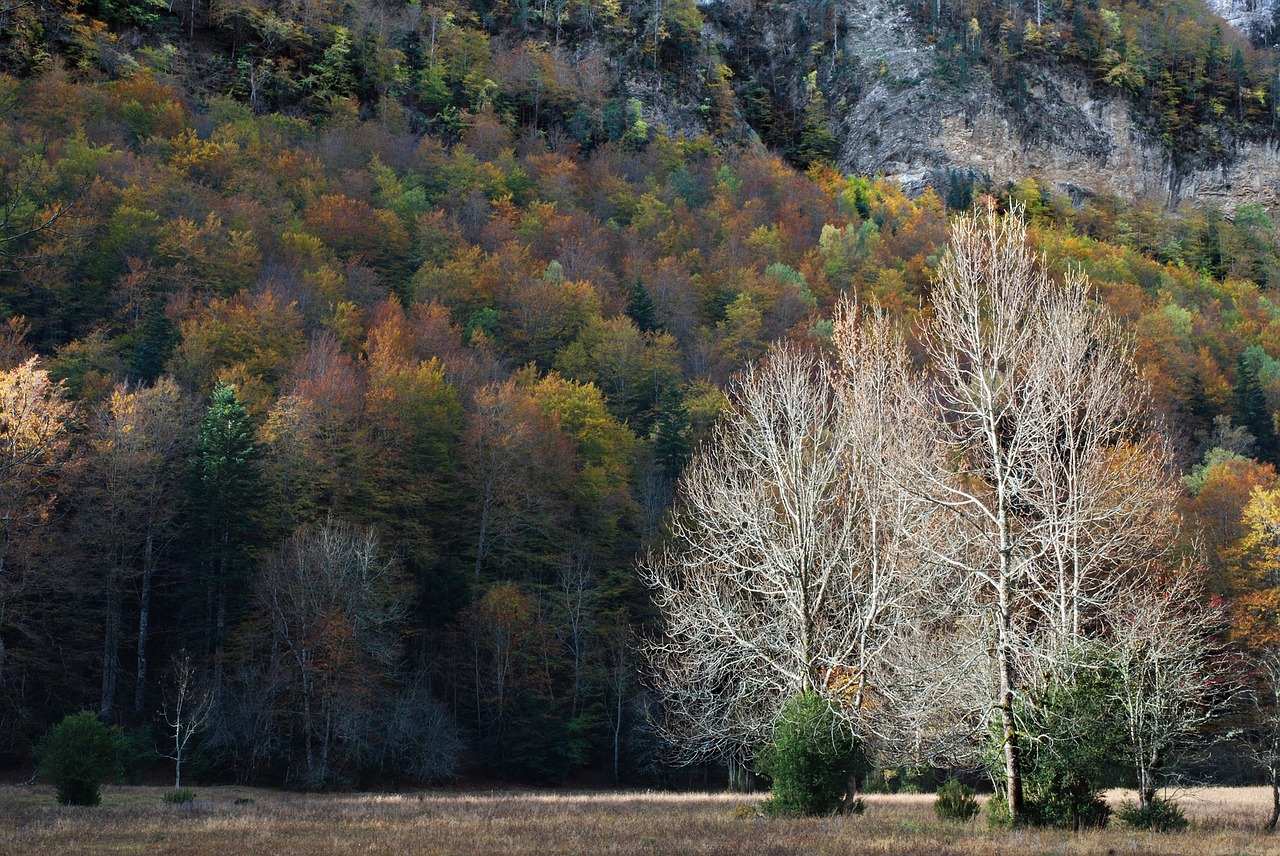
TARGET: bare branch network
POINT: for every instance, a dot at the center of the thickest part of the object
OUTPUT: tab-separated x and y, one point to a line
925	545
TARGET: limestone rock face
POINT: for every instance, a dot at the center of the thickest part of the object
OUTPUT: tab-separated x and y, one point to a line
1255	18
899	108
907	124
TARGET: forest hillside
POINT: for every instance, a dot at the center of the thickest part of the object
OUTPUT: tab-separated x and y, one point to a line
435	303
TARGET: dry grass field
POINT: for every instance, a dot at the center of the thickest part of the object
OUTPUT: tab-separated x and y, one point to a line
133	820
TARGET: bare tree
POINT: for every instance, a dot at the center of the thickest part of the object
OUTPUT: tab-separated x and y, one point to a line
185	712
921	546
1261	737
777	579
1049	484
884	688
747	583
330	603
1173	676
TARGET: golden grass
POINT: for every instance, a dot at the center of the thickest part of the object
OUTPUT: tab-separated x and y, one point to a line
134	820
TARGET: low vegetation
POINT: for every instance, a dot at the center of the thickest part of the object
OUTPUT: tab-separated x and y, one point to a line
247	822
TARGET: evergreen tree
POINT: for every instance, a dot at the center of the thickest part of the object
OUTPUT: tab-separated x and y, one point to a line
640	309
671	447
223	527
1252	410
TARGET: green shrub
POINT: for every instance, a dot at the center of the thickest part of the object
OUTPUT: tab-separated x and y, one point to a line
245	801
179	796
812	756
955	801
998	812
78	755
1160	816
1072	748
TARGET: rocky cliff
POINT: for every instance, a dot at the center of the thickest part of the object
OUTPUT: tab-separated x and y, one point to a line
907	103
1255	18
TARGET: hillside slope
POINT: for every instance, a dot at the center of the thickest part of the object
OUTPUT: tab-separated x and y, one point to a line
1163	101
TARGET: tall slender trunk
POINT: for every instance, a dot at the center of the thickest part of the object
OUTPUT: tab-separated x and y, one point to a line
1012	754
617	739
144	622
110	649
1274	775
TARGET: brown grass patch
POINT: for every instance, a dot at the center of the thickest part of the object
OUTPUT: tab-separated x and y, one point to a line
134	820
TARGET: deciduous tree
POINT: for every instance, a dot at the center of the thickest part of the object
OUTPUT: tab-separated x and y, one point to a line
1051	487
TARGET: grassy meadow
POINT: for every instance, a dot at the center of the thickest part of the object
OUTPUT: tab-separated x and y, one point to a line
134	820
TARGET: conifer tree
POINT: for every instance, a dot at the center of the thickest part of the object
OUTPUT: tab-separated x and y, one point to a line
1252	410
225	493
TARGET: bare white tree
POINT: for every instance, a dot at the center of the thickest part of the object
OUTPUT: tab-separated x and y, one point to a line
751	584
884	688
781	575
923	547
1049	483
1173	676
186	710
1261	737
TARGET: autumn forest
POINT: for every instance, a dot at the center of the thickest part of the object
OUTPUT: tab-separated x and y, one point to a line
351	354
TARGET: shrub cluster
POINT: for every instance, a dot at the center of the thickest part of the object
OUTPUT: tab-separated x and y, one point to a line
179	796
1160	815
956	802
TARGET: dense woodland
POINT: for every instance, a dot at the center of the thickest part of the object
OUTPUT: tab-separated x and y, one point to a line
354	351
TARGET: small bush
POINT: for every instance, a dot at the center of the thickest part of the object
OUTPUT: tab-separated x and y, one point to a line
998	812
1061	809
956	802
247	800
1160	816
78	755
810	759
179	796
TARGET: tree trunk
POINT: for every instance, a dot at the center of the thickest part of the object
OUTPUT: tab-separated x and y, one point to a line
1012	756
739	777
1147	780
852	794
110	651
144	622
1275	799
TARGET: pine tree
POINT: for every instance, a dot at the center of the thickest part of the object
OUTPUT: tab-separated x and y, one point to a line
671	447
640	309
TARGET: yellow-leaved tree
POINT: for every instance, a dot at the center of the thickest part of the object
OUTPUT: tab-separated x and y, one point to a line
1255	619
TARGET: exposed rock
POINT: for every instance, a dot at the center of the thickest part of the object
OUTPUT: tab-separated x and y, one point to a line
1255	18
909	126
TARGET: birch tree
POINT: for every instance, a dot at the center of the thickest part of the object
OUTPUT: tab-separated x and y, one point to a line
186	710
